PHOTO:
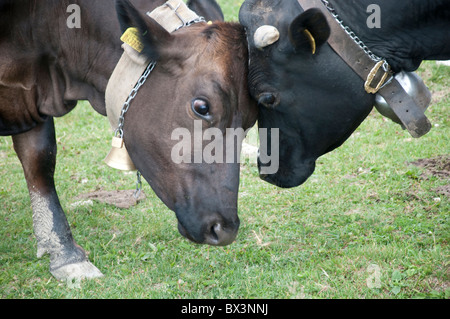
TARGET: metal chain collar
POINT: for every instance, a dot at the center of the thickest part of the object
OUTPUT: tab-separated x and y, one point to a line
352	34
185	23
119	130
381	62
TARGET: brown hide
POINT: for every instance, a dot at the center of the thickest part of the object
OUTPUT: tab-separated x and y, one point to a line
45	67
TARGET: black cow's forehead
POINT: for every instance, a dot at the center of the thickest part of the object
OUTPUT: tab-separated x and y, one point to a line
254	13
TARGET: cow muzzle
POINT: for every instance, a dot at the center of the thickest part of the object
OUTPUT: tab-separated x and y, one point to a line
214	232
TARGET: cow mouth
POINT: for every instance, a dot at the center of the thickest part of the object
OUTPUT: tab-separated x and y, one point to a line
185	234
289	177
215	235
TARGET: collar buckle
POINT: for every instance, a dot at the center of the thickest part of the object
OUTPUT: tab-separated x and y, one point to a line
372	74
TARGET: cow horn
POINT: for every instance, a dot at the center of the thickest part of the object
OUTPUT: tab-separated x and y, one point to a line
265	36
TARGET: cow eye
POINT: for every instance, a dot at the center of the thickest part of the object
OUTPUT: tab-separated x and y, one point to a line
200	107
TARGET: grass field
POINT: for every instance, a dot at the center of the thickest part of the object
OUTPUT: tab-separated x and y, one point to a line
367	224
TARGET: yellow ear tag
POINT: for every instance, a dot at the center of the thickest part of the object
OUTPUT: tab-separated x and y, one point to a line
131	37
312	42
209	22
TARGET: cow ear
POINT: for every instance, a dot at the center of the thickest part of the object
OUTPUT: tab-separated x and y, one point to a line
309	31
152	36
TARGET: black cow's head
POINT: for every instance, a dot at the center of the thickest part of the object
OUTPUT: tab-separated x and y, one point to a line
302	86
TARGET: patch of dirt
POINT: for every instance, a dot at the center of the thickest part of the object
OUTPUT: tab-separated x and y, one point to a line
443	190
437	167
120	198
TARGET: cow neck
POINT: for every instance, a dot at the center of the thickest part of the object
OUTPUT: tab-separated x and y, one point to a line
133	69
373	70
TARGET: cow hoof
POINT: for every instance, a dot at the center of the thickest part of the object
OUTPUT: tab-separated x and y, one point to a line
81	270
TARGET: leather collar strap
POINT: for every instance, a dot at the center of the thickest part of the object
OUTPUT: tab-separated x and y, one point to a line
172	15
410	114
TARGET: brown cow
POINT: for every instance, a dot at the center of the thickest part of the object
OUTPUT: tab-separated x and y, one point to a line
200	77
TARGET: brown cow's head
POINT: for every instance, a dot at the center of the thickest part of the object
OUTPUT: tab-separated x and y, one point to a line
197	90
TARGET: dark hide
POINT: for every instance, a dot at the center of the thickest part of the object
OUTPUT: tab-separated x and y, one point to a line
46	67
317	101
411	31
209	9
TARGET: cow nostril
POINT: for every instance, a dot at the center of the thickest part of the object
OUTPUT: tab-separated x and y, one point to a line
218	236
214	231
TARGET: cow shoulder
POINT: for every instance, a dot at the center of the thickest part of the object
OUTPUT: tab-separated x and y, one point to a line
32	88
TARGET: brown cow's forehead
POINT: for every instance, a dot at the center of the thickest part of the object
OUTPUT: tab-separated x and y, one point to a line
218	43
215	57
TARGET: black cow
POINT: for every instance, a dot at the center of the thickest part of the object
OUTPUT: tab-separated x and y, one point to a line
305	88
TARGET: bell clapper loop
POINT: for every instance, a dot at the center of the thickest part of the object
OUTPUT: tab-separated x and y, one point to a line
118	157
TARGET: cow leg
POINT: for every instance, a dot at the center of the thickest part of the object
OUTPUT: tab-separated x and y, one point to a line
36	150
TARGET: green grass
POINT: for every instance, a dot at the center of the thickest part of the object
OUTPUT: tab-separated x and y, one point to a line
230	9
364	205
